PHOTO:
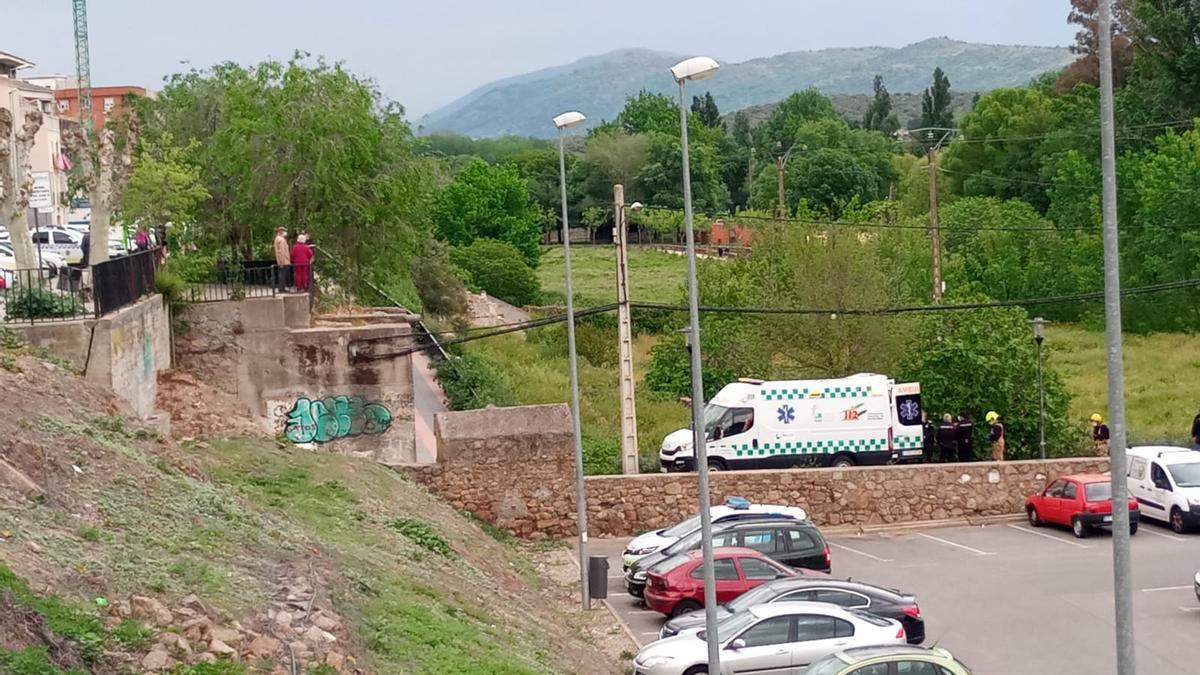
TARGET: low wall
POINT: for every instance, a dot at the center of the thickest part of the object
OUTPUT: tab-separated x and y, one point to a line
514	468
123	351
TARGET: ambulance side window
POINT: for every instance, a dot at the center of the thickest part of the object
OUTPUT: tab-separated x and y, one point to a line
739	420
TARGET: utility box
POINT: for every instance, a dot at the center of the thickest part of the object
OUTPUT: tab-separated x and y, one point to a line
598	577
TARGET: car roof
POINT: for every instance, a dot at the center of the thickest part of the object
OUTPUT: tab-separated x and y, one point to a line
797	582
793	607
764	520
727	552
857	654
1165	454
1087	477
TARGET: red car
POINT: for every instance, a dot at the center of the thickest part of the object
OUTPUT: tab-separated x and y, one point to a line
1083	502
676	585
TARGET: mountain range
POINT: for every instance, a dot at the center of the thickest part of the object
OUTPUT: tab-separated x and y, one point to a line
598	85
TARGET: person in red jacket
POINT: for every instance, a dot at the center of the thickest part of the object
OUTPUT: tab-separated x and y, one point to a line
302	256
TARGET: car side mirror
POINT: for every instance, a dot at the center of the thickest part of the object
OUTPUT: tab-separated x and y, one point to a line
736	645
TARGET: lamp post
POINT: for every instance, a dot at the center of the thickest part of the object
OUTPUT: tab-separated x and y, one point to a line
563	122
698	68
1039	336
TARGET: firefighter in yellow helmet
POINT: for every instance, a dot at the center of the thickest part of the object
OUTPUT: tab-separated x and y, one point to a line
1099	435
996	435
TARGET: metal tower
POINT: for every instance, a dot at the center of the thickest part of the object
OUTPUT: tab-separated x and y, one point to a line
83	67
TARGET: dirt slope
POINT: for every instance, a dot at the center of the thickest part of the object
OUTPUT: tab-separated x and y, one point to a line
122	551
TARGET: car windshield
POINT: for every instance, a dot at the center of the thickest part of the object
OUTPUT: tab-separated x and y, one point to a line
756	596
712	415
733	625
1098	492
1186	475
668	564
830	665
689	525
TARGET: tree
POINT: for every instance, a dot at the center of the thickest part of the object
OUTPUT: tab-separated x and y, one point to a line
105	164
778	133
661	179
1086	69
489	202
705	109
16	182
163	187
442	293
499	268
1166	35
936	110
647	113
879	115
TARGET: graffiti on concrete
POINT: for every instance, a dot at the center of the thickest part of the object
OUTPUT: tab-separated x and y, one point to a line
335	417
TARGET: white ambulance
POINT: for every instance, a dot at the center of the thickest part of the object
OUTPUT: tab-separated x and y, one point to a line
751	424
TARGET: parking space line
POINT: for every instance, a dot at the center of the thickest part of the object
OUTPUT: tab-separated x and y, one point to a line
1048	536
1165	588
1164	535
954	544
644	611
862	553
1189	609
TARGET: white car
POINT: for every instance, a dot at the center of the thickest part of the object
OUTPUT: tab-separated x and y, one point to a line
1166	483
733	509
66	243
780	638
50	262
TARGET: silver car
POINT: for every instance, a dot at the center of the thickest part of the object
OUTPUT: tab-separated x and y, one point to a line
781	638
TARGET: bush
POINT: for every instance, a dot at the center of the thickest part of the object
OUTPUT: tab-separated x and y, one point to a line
498	268
42	303
194	267
170	285
472	382
601	455
421	533
435	277
670	373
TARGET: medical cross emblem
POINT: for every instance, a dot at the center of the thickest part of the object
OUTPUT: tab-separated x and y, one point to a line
787	414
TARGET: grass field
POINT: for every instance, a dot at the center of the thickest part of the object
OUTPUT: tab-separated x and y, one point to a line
653	276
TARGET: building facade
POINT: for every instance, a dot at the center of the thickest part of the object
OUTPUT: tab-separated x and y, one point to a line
107	102
46	155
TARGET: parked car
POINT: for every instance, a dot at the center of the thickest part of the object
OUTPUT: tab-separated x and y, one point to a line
676	585
782	637
51	262
59	240
794	543
734	508
1166	483
1082	502
889	661
890	604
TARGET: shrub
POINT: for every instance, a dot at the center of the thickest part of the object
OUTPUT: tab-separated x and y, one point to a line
601	455
437	283
421	533
498	268
170	285
471	382
194	267
41	303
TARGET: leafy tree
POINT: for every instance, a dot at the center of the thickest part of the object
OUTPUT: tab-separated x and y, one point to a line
471	381
936	110
661	180
648	113
434	276
778	133
614	157
705	109
164	187
1166	35
490	150
489	202
879	115
539	169
499	268
1086	69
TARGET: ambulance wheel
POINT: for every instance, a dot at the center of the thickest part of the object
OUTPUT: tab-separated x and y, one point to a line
716	465
843	461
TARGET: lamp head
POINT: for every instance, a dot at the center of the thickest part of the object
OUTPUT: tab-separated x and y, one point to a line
695	68
636	206
569	119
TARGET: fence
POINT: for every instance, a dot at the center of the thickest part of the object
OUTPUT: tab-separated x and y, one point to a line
240	280
43	295
119	282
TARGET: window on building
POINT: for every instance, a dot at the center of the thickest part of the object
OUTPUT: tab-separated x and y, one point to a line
109	103
64	105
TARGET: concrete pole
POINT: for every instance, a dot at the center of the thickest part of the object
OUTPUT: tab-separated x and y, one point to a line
781	209
629	442
701	452
1122	562
935	228
580	492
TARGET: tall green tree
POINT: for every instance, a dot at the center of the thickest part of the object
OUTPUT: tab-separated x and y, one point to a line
1166	37
705	109
936	110
164	187
489	202
879	115
778	133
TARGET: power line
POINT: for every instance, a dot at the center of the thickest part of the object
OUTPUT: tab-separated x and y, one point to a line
960	140
1028	181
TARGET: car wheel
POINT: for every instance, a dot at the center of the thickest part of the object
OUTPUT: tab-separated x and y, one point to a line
1132	529
1177	523
684	607
843	461
1080	530
716	465
1034	519
696	670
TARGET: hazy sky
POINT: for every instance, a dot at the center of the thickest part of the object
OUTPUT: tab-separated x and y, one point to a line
425	54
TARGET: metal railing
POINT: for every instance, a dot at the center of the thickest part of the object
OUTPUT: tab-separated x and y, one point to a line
41	296
120	282
240	280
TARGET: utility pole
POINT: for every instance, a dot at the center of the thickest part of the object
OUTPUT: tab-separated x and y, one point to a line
750	177
935	228
780	210
1122	563
629	443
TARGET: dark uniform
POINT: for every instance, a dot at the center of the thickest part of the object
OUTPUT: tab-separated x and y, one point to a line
1196	433
965	434
929	439
947	440
1100	439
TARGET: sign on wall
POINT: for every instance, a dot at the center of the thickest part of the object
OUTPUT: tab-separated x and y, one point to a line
41	196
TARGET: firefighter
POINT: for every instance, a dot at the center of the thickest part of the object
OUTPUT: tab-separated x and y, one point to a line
996	435
1099	435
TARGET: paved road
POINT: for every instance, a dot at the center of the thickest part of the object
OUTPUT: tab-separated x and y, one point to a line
1007	598
427	401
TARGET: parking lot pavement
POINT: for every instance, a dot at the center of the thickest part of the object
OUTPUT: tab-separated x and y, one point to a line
1008	598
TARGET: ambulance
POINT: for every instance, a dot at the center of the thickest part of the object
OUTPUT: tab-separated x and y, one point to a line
751	424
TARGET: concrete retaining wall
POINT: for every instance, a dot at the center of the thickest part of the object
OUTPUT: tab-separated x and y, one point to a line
514	468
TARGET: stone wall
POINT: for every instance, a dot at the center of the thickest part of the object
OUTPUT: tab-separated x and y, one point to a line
508	467
514	468
123	351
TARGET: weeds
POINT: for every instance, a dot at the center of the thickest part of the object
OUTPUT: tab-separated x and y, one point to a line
31	661
421	533
132	635
89	533
63	619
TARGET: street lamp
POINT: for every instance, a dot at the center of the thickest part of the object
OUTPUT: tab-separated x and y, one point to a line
563	122
698	68
1039	336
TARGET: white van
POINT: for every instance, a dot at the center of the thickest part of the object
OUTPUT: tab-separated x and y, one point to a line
751	424
1166	483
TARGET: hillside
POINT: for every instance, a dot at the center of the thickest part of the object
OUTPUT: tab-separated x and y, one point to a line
124	551
598	85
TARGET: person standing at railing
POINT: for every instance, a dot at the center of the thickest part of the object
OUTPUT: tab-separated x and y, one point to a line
301	257
141	240
283	259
